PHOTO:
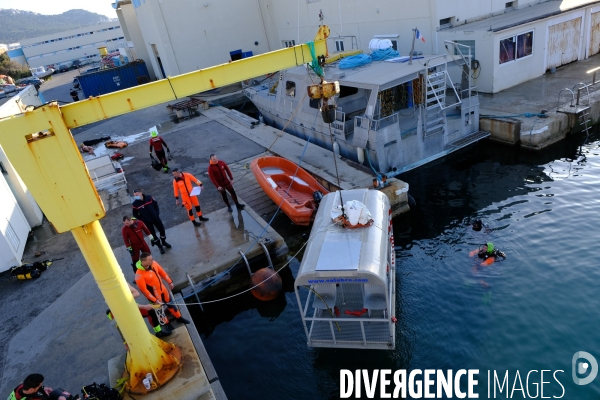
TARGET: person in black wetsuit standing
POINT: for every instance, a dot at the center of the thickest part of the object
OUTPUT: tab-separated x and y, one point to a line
145	208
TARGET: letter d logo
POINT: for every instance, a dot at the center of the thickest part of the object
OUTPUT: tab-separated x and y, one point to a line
581	368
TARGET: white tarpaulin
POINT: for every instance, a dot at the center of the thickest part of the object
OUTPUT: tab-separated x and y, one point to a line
356	212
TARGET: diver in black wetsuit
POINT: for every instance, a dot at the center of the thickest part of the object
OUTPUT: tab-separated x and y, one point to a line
488	250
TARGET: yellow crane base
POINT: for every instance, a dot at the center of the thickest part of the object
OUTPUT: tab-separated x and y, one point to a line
160	377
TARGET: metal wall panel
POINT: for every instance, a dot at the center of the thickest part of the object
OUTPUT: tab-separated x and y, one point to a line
563	42
113	79
594	34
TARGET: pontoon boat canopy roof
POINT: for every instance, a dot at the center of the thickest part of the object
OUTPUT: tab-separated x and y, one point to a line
335	254
378	73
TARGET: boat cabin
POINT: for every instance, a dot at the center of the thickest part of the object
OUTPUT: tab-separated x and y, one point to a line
345	286
391	115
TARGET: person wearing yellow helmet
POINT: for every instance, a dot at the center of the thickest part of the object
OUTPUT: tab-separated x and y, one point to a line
157	143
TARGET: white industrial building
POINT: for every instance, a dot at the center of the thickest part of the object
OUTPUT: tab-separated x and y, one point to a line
19	212
76	44
179	36
522	44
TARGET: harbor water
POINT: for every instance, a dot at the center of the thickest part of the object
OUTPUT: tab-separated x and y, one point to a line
531	312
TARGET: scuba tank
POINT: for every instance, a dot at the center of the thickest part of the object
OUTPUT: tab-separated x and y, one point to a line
31	271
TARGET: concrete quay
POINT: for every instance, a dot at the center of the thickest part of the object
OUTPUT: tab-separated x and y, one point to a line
502	114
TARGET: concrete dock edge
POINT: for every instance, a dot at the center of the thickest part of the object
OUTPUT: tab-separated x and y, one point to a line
209	369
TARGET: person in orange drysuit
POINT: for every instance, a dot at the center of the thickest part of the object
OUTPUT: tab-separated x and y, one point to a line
182	186
148	278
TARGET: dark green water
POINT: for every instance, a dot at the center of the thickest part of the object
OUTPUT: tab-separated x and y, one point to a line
530	312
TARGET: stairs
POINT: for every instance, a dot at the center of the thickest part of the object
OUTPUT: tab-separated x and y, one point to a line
435	100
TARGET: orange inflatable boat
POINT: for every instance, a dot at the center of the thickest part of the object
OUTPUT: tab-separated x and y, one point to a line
292	187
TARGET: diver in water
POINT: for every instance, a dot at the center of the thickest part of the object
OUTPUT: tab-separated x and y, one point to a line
488	253
478	225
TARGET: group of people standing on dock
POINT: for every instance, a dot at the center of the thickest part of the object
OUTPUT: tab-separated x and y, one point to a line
145	222
145	219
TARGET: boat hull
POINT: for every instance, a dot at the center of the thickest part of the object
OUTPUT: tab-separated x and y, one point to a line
289	186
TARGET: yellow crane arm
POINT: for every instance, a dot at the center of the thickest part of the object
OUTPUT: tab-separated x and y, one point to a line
172	88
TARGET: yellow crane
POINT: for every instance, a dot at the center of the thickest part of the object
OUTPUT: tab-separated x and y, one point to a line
40	146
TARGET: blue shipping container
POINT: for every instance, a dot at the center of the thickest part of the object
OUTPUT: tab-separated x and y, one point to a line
113	79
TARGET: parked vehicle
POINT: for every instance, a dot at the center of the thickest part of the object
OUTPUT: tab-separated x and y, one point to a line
7	88
63	68
41	72
32	80
37	82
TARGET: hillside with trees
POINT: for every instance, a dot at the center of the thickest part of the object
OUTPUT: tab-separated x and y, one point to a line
16	25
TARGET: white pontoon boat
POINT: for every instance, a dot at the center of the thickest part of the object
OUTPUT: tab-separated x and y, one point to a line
346	283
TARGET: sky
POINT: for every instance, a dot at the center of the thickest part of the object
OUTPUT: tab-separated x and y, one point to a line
59	6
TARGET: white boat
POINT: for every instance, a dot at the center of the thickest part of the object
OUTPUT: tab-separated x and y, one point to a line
41	72
394	115
345	286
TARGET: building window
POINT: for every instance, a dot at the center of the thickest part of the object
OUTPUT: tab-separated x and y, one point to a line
289	43
464	51
290	88
516	47
446	22
339	45
511	5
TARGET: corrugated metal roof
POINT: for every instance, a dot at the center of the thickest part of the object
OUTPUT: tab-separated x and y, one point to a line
522	16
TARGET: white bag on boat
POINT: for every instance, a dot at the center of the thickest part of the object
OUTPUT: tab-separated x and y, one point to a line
356	213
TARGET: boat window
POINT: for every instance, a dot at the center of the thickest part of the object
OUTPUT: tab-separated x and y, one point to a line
314	103
290	88
395	99
347	91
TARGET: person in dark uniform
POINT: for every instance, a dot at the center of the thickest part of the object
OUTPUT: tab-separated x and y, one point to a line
145	208
74	94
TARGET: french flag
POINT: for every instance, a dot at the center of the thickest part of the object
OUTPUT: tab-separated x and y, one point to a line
418	35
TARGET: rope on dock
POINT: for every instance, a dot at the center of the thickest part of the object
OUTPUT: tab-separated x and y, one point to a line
528	115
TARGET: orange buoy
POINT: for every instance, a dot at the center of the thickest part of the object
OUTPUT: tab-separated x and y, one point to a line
269	289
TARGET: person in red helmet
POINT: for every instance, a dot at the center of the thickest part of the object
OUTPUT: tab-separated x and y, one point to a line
182	187
149	278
